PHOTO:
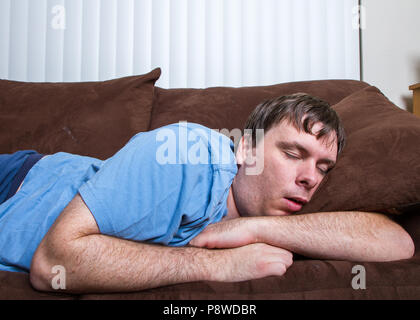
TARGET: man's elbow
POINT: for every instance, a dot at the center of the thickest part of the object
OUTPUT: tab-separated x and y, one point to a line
394	240
40	274
406	246
39	281
397	245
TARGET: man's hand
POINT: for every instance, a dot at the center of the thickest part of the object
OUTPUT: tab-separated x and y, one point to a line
248	259
249	262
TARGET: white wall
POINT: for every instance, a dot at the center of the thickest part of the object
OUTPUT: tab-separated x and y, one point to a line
391	48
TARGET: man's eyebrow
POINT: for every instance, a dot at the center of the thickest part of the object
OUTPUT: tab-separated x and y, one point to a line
297	146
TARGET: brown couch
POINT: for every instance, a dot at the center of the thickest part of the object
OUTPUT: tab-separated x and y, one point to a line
378	171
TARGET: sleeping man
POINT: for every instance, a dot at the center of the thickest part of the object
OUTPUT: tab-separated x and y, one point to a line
177	204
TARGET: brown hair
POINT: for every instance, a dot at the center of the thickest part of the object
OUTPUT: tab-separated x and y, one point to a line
293	108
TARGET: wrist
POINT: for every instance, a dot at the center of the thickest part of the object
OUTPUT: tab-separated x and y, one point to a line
216	266
257	227
248	231
267	229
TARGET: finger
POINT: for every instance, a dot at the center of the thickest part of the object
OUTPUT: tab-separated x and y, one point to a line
285	256
196	243
201	241
277	268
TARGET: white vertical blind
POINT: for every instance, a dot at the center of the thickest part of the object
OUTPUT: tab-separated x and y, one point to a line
72	52
267	36
318	42
54	55
90	40
197	43
351	37
108	39
18	39
142	54
179	44
196	54
286	37
214	43
125	38
160	42
232	44
36	52
4	37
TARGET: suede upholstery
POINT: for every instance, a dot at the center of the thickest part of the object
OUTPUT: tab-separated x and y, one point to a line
97	119
88	118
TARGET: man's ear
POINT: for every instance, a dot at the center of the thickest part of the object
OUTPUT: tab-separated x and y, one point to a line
243	149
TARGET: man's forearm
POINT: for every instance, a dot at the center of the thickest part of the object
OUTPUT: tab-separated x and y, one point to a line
357	236
99	263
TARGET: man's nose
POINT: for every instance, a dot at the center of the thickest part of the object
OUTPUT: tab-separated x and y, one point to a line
307	176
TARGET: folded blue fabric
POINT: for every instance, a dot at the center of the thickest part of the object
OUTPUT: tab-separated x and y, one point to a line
10	164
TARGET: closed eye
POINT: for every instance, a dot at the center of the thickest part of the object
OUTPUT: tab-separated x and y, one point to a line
323	172
295	157
291	156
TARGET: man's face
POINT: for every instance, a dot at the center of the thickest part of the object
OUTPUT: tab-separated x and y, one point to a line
294	165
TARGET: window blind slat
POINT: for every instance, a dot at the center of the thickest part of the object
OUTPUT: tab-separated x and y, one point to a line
4	38
90	40
37	26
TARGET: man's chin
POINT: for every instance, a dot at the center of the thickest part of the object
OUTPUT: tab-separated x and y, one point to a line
268	213
278	213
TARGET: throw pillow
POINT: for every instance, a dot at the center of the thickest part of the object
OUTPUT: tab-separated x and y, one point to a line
379	169
87	118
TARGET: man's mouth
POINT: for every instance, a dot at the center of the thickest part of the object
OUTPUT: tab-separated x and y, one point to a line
295	203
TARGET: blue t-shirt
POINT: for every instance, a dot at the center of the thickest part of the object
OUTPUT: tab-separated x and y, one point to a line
164	186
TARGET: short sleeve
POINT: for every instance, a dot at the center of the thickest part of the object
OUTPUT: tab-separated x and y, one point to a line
155	190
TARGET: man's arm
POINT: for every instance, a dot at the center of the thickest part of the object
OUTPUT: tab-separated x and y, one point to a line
98	263
354	236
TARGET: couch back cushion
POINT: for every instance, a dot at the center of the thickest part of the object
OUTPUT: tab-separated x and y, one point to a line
88	118
379	169
228	108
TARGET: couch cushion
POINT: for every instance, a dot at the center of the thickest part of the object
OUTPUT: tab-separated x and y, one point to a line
88	118
379	169
16	286
228	108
